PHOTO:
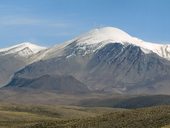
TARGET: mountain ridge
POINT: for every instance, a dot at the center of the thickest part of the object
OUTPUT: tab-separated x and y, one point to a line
16	57
104	64
21	47
114	35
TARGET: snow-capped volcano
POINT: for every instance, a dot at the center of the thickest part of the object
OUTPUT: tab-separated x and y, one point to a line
114	35
105	59
23	49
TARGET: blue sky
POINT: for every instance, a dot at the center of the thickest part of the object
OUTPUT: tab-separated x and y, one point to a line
48	22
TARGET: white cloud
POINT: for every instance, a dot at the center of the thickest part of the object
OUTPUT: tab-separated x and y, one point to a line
31	21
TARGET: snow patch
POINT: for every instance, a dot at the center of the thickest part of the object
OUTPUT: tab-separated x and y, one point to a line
23	49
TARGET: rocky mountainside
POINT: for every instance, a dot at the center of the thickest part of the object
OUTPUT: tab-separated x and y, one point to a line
16	57
109	60
50	82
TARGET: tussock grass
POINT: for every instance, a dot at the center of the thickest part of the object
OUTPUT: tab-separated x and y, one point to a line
44	116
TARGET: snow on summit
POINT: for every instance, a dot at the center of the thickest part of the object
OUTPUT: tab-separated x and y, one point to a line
91	41
23	49
107	35
110	34
104	34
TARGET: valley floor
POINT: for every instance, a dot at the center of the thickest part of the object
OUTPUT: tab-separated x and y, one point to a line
42	109
64	116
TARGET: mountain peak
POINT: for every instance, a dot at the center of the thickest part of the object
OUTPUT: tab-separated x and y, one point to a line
35	48
104	34
109	30
107	35
26	48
